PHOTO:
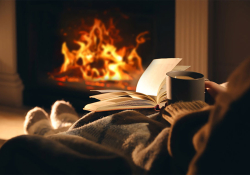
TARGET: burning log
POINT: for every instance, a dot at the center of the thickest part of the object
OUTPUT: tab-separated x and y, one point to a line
72	72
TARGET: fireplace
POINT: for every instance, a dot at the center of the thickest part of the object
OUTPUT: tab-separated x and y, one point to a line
67	48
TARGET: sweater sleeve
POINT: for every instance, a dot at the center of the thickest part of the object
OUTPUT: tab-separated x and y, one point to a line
186	118
176	110
224	147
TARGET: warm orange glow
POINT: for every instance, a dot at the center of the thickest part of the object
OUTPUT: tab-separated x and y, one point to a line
98	59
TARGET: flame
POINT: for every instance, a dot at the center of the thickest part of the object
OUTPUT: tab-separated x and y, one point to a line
98	59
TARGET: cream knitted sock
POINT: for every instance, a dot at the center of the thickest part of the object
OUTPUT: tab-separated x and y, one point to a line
37	122
63	115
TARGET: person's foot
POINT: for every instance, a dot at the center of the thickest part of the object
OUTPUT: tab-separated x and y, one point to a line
37	122
63	115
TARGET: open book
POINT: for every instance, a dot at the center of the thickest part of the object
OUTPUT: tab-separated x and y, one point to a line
150	89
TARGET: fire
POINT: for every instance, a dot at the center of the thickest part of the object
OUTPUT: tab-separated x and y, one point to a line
98	59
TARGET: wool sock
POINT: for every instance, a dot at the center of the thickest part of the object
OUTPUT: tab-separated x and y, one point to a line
37	122
63	115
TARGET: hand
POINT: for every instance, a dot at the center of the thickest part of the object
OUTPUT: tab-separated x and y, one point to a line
214	89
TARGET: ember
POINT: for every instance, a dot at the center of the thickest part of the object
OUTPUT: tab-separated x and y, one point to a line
98	61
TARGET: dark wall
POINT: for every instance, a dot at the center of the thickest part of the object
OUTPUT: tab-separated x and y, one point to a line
229	37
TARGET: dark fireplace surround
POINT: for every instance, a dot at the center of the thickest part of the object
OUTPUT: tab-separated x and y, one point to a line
39	40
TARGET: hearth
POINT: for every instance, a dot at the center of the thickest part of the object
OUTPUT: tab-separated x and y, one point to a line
67	48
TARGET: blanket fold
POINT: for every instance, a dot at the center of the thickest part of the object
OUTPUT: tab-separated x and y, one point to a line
39	155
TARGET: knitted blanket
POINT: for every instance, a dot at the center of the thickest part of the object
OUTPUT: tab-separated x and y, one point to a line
129	142
183	138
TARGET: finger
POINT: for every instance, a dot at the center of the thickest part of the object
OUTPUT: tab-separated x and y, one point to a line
214	88
212	92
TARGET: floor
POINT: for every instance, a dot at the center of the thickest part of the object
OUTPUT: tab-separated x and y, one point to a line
11	121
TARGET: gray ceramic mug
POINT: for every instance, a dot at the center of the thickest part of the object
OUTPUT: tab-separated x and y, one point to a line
184	86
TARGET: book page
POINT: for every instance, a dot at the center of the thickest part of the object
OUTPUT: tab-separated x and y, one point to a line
108	90
180	68
154	75
162	93
133	104
119	104
108	95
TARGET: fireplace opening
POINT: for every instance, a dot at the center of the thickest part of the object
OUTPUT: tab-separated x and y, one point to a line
67	48
96	56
